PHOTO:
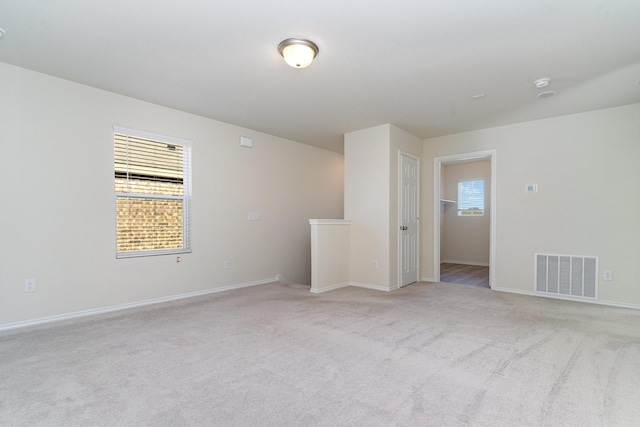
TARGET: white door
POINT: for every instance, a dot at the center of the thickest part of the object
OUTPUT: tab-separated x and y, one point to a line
408	238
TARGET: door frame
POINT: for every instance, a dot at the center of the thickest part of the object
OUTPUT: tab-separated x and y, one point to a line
437	178
399	222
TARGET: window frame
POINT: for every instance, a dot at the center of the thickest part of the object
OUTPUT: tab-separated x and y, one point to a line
460	205
186	196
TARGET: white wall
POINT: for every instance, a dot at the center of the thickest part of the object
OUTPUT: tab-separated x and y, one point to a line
465	239
586	168
57	213
366	203
371	201
330	254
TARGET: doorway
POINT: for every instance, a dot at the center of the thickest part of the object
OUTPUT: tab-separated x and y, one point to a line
468	262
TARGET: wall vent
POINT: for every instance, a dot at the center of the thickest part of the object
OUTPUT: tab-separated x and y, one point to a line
567	275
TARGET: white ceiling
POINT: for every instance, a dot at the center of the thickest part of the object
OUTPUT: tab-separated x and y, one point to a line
415	64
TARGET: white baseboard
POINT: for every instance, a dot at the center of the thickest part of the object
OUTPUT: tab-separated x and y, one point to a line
356	284
560	297
453	261
104	310
428	279
369	286
330	288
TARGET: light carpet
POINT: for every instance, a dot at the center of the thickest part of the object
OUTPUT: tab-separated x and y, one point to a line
277	355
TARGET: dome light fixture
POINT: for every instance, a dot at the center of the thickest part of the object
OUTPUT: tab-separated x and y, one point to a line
298	52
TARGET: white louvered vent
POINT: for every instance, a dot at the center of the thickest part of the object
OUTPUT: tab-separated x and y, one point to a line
567	275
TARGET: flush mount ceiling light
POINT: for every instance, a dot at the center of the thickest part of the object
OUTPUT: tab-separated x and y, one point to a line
298	52
544	82
1	33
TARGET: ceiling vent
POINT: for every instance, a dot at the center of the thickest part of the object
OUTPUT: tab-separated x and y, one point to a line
547	94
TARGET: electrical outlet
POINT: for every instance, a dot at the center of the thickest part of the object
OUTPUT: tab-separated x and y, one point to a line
30	285
227	264
374	263
607	275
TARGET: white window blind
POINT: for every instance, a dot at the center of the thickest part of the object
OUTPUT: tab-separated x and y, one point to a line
153	193
471	198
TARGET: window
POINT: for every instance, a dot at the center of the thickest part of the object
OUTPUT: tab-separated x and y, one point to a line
153	193
471	198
